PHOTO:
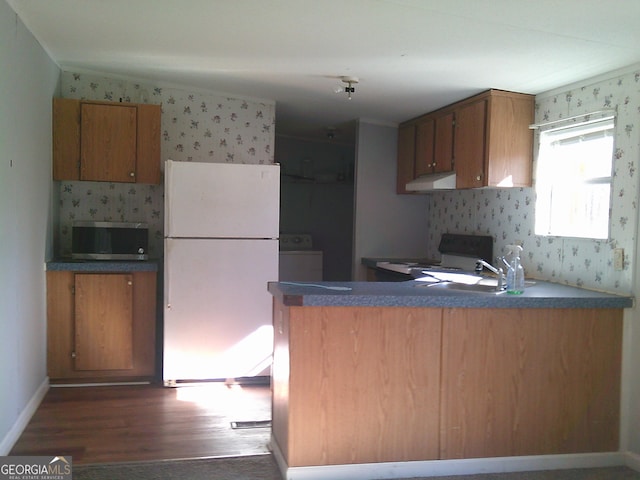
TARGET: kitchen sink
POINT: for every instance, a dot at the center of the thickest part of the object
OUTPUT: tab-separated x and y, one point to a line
464	287
459	282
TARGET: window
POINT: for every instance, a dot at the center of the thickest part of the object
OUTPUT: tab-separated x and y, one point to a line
573	180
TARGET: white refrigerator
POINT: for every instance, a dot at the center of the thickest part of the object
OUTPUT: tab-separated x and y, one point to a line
221	248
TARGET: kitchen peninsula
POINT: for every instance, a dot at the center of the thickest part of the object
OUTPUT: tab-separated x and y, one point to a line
397	378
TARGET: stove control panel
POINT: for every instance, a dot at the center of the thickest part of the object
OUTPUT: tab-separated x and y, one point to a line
289	241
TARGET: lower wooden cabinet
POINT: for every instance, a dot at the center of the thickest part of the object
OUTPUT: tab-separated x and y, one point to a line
101	326
393	384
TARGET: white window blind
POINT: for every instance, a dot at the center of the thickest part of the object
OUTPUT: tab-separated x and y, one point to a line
573	180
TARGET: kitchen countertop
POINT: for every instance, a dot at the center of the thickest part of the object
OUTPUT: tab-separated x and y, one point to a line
416	294
106	266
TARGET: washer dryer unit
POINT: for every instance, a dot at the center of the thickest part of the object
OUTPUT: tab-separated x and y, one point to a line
298	261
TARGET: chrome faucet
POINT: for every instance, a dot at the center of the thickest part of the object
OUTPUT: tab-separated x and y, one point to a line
502	281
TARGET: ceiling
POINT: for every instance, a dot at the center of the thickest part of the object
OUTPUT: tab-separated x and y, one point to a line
410	56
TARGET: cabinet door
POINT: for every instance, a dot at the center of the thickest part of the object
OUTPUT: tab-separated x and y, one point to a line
424	160
60	314
148	144
66	139
103	321
406	156
108	143
364	380
469	145
510	141
530	382
443	148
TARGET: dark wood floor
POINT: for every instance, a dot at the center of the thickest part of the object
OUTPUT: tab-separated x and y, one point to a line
149	422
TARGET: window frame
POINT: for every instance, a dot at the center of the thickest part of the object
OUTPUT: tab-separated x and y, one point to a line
583	195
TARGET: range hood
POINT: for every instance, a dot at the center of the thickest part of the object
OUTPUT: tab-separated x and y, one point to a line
433	181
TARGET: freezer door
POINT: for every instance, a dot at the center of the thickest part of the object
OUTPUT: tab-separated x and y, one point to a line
221	200
217	310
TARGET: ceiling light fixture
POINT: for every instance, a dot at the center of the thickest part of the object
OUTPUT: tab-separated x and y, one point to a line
350	81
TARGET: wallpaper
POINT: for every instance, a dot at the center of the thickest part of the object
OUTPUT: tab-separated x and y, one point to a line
508	214
196	126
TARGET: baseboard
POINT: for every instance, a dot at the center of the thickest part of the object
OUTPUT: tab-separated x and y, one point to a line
632	460
23	419
439	468
277	454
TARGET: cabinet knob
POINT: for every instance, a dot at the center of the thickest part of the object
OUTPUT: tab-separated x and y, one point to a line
479	177
129	283
132	174
73	354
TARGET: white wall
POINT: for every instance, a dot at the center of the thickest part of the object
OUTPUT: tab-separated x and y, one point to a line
385	224
28	81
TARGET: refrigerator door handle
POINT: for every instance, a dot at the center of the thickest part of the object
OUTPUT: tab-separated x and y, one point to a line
167	284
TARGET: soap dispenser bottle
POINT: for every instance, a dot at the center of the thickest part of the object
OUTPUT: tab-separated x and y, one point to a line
515	274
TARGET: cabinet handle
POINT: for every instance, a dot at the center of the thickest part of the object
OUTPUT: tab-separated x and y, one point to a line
132	174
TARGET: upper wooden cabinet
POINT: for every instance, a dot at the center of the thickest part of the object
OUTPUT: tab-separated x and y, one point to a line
425	141
469	145
104	141
493	145
424	146
485	139
443	142
406	156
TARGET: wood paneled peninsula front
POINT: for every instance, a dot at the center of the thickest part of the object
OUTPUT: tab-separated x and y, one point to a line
396	372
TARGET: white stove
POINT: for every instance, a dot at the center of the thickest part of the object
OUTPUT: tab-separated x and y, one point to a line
448	262
299	262
458	252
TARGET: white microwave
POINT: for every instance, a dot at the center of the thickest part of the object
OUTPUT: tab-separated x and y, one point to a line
109	241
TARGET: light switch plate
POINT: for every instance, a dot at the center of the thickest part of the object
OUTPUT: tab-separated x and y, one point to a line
618	259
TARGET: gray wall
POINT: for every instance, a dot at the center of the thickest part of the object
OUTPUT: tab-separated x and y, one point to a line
28	81
386	224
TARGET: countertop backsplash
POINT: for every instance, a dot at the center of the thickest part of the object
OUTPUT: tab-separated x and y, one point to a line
111	202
